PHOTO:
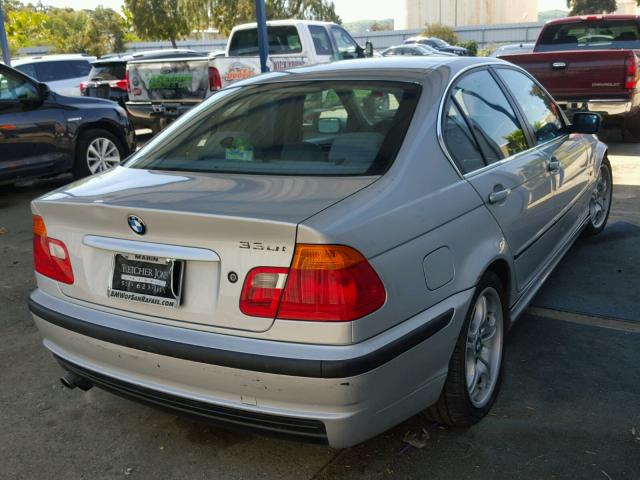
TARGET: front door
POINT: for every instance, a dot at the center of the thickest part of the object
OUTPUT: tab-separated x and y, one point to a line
31	127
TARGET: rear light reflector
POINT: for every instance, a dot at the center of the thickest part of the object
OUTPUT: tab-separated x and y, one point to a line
215	81
327	283
631	71
50	256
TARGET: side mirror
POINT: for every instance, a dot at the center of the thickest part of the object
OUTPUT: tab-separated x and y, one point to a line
329	125
368	49
584	122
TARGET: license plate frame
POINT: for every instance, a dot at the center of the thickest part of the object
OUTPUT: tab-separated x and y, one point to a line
147	279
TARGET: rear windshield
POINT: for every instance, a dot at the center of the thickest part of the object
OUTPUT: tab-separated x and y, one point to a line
108	71
327	128
281	40
54	70
590	35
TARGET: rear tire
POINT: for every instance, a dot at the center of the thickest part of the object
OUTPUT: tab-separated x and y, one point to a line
475	368
97	150
600	202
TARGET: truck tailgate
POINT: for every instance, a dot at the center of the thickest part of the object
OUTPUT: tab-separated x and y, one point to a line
578	75
181	80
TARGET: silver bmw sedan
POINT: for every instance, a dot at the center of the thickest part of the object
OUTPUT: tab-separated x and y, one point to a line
322	253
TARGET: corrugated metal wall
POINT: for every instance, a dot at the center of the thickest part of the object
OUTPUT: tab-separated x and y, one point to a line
484	35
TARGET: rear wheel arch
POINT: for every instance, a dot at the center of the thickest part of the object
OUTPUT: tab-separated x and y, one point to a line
99	125
501	268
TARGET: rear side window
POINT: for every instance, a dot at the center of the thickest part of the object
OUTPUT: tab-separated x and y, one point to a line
53	71
108	71
460	142
590	35
327	128
321	40
539	109
28	69
490	118
282	40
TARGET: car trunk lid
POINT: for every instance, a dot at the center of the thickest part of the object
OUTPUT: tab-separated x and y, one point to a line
218	226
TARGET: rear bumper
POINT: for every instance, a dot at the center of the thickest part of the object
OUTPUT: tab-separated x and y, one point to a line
165	110
339	394
605	107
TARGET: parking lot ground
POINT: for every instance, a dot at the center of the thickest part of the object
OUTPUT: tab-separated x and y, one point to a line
569	406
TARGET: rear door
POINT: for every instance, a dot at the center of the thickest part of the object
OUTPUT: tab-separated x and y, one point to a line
490	143
30	132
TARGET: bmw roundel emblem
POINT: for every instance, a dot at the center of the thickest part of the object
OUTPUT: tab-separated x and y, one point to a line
136	224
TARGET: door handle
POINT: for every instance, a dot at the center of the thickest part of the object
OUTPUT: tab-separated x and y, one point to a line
554	164
498	196
559	65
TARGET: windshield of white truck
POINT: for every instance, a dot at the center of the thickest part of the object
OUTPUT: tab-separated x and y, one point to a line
590	35
282	40
324	128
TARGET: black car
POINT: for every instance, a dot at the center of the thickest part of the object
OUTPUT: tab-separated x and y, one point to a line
43	133
440	45
108	78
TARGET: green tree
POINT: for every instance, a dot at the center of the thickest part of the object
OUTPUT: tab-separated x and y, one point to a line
441	31
585	7
225	14
160	19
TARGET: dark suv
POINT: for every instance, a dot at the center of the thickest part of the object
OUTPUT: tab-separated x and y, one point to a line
44	133
440	45
108	78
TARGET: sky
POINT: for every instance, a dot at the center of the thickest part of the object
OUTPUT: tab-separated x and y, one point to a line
349	10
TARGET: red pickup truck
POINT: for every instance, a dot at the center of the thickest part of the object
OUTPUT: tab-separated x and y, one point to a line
590	63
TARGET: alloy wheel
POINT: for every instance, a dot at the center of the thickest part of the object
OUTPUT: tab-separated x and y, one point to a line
102	154
600	198
483	353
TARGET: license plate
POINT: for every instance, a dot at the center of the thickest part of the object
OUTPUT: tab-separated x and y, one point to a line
147	279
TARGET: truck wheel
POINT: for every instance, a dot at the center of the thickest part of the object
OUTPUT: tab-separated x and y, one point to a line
600	202
97	150
475	368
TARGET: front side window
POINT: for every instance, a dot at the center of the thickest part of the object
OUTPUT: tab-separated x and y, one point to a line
539	109
491	119
14	88
347	47
282	40
326	128
321	40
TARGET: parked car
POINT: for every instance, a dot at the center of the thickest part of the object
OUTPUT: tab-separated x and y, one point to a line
415	50
166	89
62	73
513	49
294	256
439	45
590	63
108	78
43	133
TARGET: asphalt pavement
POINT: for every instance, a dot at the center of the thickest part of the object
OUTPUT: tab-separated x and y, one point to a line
569	405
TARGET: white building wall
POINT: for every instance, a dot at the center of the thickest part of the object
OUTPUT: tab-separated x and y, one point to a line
417	13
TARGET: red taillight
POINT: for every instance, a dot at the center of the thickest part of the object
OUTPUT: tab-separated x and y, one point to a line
215	81
262	290
631	71
126	79
120	84
330	283
50	256
83	87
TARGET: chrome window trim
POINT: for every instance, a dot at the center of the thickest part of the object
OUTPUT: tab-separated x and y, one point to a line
440	119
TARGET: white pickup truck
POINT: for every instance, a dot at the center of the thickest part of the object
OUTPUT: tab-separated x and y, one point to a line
165	89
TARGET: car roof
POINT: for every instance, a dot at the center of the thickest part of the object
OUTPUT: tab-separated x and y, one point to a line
392	68
278	23
52	58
